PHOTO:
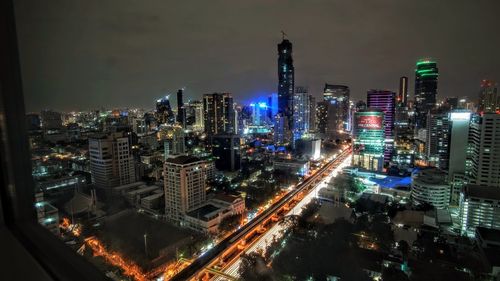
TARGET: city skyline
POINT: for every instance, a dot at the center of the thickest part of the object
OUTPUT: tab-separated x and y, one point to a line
130	55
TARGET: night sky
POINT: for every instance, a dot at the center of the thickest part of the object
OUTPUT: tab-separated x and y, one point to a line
117	53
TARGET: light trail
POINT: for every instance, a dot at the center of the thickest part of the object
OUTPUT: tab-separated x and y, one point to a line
276	230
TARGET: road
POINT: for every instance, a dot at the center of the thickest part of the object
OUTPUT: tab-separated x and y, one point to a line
277	229
228	250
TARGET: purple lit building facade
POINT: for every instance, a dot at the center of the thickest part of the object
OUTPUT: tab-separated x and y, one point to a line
385	101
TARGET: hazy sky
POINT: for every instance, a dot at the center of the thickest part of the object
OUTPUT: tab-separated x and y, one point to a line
116	53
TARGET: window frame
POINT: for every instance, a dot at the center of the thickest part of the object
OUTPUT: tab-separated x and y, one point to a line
17	211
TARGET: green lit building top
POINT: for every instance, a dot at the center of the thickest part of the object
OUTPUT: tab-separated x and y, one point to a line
426	83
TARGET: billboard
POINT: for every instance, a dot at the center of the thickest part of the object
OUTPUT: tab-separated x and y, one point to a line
369	122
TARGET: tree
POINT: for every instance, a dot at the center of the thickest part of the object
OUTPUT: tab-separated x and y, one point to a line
253	268
230	223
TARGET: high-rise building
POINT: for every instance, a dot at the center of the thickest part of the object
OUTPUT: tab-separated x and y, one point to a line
272	105
194	115
259	113
164	113
403	95
301	113
322	117
479	206
489	100
227	152
181	113
312	114
51	120
218	112
369	139
482	167
184	184
426	85
111	160
438	137
338	97
386	102
458	142
285	91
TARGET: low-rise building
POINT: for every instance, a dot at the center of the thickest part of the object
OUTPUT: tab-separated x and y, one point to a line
430	186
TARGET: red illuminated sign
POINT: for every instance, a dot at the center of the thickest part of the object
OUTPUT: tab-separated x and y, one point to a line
369	122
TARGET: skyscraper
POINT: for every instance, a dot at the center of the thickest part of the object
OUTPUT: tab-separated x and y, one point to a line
489	101
301	113
219	116
51	120
483	150
426	83
368	138
285	91
402	98
164	113
438	138
384	101
459	134
226	150
338	97
111	161
181	115
194	115
184	185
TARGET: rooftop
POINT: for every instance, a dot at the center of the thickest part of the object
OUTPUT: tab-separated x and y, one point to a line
203	212
182	160
487	192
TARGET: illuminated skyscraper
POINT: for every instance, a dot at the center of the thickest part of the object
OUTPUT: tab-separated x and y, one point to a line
284	123
164	113
489	101
426	84
402	98
384	101
369	139
301	112
438	138
218	113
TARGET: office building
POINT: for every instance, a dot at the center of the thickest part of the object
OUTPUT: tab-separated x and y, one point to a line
403	94
369	139
479	207
111	160
430	186
489	101
164	114
218	113
312	114
437	138
483	159
227	152
194	116
426	85
301	113
338	97
286	85
458	141
272	105
386	102
51	120
184	184
259	113
181	113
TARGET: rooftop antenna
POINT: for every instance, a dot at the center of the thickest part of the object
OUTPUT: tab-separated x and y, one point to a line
283	35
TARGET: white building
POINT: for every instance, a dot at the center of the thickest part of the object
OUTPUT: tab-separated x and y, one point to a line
483	161
184	185
479	206
459	132
430	186
111	162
